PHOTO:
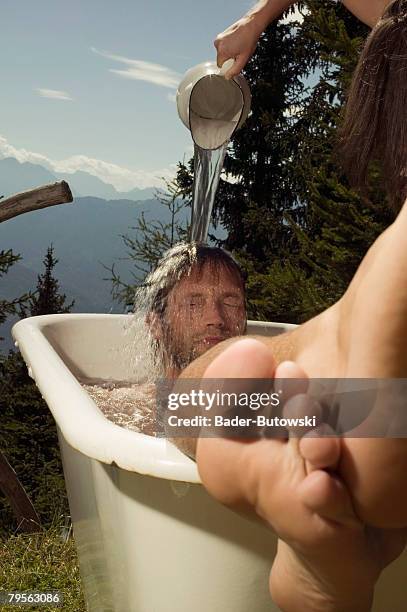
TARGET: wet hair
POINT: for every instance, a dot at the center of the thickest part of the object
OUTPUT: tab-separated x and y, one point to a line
375	125
178	262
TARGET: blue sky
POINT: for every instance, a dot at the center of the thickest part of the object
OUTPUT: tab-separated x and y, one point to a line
76	90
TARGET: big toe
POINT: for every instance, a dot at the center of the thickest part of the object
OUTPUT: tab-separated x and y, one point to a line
247	358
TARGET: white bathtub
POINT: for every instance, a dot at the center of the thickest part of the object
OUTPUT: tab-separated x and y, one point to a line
149	537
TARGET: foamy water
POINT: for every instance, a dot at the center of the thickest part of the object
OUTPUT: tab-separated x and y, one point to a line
131	406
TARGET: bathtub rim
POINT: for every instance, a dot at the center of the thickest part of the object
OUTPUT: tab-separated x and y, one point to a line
83	426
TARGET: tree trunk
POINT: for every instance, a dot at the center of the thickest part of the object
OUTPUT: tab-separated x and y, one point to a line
27	518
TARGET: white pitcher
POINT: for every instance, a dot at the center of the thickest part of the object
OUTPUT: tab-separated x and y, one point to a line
212	107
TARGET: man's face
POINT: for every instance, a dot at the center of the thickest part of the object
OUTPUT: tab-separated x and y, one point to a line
203	309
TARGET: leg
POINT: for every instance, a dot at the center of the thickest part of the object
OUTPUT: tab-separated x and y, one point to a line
364	335
371	332
271	477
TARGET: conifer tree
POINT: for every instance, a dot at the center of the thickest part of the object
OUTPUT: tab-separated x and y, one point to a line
149	242
9	307
28	436
46	298
28	439
265	185
259	158
339	225
291	218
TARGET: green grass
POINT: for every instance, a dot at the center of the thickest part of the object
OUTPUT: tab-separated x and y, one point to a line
41	562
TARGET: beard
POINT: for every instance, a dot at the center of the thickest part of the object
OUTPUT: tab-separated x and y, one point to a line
181	355
181	352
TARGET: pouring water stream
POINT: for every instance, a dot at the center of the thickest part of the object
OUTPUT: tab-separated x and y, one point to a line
213	108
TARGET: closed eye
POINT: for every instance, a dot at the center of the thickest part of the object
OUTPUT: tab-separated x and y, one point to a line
194	302
231	303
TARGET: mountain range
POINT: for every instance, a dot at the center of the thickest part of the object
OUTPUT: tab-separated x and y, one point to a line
86	236
16	176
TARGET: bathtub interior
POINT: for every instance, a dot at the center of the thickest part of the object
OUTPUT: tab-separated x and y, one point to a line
100	347
61	350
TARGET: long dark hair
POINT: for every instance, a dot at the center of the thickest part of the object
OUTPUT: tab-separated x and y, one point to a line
375	125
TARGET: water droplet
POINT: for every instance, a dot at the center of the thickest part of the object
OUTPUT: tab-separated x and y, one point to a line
180	489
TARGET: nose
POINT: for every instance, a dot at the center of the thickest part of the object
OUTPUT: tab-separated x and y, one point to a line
213	315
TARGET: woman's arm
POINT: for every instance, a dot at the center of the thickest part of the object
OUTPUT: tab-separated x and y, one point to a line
239	40
368	11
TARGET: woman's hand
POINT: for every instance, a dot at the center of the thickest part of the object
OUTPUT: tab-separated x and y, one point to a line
238	42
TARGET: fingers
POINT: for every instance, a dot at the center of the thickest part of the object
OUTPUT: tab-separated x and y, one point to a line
238	42
223	54
240	62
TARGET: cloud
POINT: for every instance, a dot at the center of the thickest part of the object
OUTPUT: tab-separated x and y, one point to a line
123	179
140	70
171	97
54	94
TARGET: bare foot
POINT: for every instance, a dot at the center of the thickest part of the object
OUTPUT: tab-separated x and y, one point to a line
364	335
325	553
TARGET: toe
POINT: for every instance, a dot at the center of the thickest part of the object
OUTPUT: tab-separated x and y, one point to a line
290	380
320	449
303	412
327	496
246	358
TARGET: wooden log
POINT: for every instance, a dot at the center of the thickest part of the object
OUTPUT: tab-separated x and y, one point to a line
24	511
35	199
